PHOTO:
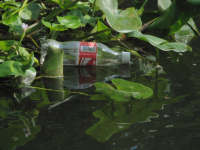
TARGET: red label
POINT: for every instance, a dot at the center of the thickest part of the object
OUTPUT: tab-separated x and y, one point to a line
87	53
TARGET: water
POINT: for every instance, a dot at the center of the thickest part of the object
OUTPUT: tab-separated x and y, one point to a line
169	120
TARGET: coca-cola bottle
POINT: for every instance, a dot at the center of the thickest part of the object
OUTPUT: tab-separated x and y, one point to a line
78	53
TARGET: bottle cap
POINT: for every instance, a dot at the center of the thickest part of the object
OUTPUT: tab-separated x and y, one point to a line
126	57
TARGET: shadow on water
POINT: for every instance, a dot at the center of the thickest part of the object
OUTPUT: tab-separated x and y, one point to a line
168	120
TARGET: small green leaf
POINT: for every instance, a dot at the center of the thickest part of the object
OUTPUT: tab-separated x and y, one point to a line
11	18
58	27
9	68
7	45
161	43
31	12
53	26
72	22
46	24
164	4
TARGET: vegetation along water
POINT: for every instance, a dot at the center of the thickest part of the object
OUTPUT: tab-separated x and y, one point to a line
152	103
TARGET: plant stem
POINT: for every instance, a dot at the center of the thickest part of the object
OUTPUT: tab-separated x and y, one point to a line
196	32
157	56
22	37
141	10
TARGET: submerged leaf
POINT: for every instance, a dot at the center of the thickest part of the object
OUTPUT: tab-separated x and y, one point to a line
137	90
111	92
125	90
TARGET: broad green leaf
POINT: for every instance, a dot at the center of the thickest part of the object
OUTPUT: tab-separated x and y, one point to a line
7	45
126	21
161	44
31	12
53	26
108	6
137	90
72	22
9	68
58	27
122	21
164	4
11	18
46	24
104	36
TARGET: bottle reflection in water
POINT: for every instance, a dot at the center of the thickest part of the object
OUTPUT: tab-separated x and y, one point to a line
85	77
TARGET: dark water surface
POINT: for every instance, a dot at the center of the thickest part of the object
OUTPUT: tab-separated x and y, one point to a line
170	120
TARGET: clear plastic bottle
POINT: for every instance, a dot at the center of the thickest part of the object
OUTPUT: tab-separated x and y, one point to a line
78	53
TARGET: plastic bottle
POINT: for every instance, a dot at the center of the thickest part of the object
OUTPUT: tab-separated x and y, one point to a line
78	53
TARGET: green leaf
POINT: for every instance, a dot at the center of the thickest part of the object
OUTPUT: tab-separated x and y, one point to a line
7	45
53	26
161	44
122	21
31	12
46	24
9	68
186	34
11	18
104	36
164	4
69	21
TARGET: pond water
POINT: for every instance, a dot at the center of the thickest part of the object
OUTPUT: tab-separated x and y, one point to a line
38	118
